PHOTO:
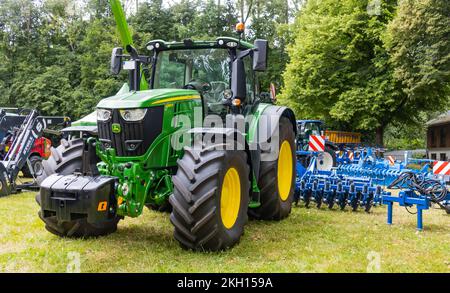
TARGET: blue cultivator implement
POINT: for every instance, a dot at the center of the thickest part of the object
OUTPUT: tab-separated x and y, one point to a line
360	187
380	170
332	189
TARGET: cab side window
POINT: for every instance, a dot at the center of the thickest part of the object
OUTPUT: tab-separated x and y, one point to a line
312	129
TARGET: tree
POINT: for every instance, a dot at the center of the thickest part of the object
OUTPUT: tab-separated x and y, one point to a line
214	20
418	41
153	21
339	70
269	20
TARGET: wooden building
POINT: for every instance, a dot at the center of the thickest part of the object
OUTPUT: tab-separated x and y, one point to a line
438	138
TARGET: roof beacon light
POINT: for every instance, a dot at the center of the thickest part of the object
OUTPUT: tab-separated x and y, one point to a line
240	27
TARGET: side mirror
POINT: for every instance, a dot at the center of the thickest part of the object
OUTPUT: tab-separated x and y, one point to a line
116	60
260	55
238	79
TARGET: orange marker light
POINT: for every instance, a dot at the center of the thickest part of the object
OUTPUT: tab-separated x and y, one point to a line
240	27
236	102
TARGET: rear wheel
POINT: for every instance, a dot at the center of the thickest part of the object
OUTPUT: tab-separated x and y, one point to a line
210	198
277	178
65	160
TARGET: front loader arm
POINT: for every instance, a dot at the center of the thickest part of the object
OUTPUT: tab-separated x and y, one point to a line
124	32
121	23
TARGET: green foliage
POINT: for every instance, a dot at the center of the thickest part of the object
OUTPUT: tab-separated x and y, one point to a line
270	21
339	61
55	53
339	70
366	71
418	40
405	136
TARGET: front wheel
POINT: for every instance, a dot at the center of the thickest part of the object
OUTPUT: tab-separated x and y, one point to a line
210	198
67	159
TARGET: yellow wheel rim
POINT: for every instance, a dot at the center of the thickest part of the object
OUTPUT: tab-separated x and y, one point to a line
230	198
285	170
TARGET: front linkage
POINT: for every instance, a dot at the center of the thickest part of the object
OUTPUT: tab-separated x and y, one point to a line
137	185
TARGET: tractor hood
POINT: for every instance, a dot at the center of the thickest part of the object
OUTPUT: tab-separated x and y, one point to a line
147	98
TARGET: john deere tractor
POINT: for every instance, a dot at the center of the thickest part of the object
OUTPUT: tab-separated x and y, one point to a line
154	146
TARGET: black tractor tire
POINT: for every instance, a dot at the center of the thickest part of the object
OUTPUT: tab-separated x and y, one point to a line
65	160
273	206
204	178
36	164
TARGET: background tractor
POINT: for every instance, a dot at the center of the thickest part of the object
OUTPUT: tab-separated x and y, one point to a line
11	121
22	147
306	128
129	160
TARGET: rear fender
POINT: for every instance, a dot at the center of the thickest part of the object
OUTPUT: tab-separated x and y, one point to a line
264	127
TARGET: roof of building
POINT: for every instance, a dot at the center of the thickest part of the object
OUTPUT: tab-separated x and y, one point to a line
444	118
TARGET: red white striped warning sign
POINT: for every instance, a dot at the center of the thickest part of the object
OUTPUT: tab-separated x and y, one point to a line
317	143
441	168
391	160
351	155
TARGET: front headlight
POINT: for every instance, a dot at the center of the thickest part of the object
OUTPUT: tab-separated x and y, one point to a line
133	114
103	114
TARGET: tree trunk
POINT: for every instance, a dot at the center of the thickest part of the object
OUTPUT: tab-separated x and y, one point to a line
379	136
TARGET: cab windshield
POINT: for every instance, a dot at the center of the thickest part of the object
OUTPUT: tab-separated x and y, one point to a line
209	69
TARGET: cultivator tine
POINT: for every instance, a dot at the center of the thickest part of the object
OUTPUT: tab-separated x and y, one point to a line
317	194
327	192
307	198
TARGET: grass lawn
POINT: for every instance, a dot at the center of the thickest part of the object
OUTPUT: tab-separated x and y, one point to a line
310	240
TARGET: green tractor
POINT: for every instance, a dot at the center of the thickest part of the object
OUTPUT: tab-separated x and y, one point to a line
191	133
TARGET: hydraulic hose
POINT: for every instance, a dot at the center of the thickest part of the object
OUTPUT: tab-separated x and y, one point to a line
434	189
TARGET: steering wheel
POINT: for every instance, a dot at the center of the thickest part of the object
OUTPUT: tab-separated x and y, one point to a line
203	87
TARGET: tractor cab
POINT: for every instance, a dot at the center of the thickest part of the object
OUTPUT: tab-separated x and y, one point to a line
221	71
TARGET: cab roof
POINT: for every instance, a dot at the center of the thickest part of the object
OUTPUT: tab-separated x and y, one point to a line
220	42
